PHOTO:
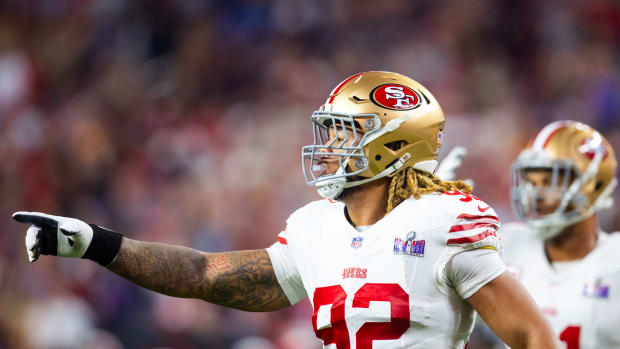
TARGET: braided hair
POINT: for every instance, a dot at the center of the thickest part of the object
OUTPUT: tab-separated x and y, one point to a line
411	182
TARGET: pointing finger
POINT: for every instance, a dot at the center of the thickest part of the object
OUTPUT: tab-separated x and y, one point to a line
37	218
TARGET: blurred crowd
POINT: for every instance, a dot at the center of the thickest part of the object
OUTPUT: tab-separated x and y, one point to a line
182	122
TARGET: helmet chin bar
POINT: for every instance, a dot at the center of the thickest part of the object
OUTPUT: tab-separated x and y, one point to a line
331	188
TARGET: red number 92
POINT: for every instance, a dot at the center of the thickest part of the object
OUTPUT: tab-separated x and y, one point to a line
338	333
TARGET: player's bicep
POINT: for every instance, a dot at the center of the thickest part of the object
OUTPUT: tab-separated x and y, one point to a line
468	271
286	271
244	280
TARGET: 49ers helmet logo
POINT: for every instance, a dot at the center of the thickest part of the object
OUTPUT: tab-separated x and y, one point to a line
395	97
591	145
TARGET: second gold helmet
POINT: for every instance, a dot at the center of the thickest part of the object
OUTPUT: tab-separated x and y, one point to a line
583	171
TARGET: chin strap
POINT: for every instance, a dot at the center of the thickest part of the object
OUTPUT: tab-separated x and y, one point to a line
331	188
389	127
588	174
388	171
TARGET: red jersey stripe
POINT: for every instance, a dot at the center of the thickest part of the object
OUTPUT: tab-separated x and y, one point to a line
282	240
473	216
463	227
475	238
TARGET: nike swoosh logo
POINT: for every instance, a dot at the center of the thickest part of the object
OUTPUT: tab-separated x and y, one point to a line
483	209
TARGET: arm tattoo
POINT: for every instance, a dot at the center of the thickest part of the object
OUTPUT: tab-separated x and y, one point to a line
241	279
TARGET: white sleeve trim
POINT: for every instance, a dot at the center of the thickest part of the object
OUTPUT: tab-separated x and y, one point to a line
286	272
469	271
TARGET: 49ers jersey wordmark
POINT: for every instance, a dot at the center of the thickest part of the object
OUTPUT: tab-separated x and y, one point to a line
400	283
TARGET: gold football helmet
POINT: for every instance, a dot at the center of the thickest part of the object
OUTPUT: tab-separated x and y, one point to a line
583	169
376	123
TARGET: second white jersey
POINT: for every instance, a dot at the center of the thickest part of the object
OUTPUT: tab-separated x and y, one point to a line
581	299
384	287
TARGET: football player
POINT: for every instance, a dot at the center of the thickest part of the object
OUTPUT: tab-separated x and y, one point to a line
393	257
571	268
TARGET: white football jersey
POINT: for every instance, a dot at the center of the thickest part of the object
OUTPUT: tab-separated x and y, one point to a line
580	298
385	287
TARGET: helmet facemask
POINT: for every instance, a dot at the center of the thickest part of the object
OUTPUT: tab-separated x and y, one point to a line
567	187
346	142
339	136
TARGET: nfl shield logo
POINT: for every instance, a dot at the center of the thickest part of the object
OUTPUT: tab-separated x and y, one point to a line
357	242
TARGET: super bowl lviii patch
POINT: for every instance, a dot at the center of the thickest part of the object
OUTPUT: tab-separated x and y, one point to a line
596	289
410	247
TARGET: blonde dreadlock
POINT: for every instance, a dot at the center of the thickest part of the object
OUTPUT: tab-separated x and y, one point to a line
411	182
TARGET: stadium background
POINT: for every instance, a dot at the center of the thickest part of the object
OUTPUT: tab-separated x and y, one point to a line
182	121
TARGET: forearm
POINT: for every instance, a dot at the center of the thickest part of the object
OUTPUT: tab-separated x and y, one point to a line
528	333
243	280
526	328
532	332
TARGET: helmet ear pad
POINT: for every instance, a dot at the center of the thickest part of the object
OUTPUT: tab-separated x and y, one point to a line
384	156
